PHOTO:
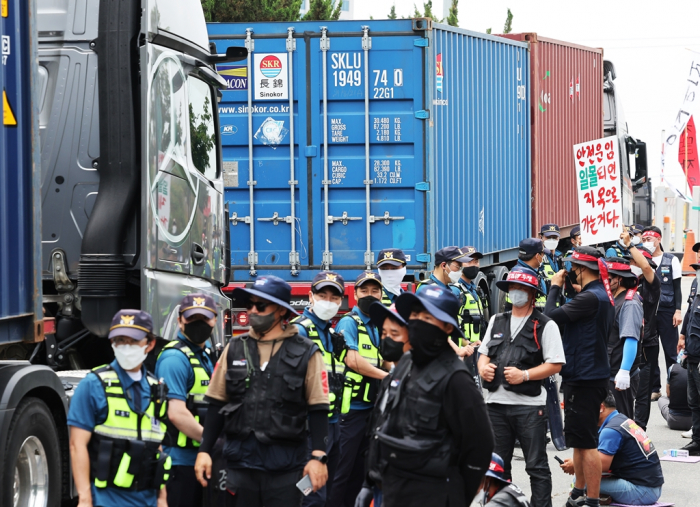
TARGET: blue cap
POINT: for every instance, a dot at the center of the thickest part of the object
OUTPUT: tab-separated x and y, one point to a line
198	304
368	276
575	231
328	279
378	312
521	276
135	324
270	288
550	230
472	252
637	228
391	256
451	254
438	302
531	246
496	468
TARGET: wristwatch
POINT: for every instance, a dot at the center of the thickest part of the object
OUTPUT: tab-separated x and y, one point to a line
323	459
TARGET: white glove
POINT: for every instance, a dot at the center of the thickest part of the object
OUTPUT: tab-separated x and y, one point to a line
622	380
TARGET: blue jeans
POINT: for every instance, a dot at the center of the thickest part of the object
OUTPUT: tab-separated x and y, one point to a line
623	491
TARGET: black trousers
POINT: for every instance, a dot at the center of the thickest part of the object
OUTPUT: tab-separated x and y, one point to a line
350	472
668	336
529	425
320	498
256	488
650	356
183	488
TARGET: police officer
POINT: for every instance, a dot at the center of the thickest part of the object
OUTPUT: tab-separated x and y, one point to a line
519	351
625	333
497	491
575	239
448	269
363	374
585	322
268	385
625	450
325	298
116	423
425	454
186	367
391	264
530	257
549	234
668	316
618	249
690	341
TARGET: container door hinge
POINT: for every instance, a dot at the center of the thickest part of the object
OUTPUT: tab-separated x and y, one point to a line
423	114
421	43
423	186
423	257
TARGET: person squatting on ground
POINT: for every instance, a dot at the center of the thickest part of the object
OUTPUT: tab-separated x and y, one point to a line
497	491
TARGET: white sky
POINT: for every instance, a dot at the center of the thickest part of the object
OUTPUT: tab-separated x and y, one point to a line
646	40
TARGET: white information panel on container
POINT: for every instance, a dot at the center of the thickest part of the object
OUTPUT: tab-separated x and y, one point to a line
271	76
599	190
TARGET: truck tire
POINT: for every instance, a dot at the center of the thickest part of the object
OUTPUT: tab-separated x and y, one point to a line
32	471
498	297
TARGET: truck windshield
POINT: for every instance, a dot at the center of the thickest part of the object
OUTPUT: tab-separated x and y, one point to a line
202	132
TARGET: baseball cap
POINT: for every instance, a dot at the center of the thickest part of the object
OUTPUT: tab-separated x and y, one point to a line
521	276
496	468
438	302
135	324
270	288
392	257
368	276
575	231
531	246
550	230
198	304
472	252
451	254
328	279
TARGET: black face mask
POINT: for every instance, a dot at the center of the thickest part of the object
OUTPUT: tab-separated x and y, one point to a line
198	331
572	276
364	303
261	324
427	341
391	350
470	272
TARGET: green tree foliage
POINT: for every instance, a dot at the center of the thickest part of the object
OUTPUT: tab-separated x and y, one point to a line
323	10
452	16
488	30
200	140
251	10
508	27
392	12
427	12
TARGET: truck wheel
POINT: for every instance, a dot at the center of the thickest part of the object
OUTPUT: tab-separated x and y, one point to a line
498	297
32	463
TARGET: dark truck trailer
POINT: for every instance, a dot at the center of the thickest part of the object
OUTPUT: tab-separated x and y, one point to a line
104	204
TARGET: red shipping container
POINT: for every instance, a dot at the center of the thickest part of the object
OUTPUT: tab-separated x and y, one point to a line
567	109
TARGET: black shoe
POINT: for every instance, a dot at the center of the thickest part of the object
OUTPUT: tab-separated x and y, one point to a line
693	448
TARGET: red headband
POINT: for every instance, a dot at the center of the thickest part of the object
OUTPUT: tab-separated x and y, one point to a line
653	234
519	276
602	267
619	266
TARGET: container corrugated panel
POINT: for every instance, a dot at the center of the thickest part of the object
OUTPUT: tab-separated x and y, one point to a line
20	249
399	162
567	109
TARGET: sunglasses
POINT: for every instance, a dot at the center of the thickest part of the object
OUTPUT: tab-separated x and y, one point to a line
259	305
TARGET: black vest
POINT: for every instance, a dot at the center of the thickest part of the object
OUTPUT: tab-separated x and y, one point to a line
650	303
692	339
615	343
415	437
678	385
586	341
523	352
271	403
636	460
511	495
693	290
665	272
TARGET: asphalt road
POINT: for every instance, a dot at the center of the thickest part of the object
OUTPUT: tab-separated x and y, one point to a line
682	480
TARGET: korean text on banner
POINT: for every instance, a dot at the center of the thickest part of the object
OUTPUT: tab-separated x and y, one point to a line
598	184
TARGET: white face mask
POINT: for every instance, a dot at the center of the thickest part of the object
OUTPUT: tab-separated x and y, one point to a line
551	244
519	298
636	240
392	278
454	276
325	310
130	356
649	245
636	270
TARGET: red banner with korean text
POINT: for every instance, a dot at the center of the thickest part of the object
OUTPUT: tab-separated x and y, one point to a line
688	154
598	185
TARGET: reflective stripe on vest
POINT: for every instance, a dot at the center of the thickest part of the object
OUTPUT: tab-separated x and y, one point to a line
357	387
471	306
195	396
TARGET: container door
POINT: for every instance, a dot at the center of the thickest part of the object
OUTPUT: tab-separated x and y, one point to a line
260	141
369	174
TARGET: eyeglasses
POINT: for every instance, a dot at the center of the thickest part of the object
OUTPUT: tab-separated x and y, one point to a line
259	305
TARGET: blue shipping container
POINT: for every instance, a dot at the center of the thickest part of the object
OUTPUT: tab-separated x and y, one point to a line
390	133
20	183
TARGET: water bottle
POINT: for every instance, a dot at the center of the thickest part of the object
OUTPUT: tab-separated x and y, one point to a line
676	453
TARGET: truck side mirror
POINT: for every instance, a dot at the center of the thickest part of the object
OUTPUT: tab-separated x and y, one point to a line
640	173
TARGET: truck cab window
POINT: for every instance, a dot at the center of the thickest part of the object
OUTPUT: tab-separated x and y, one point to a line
202	132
